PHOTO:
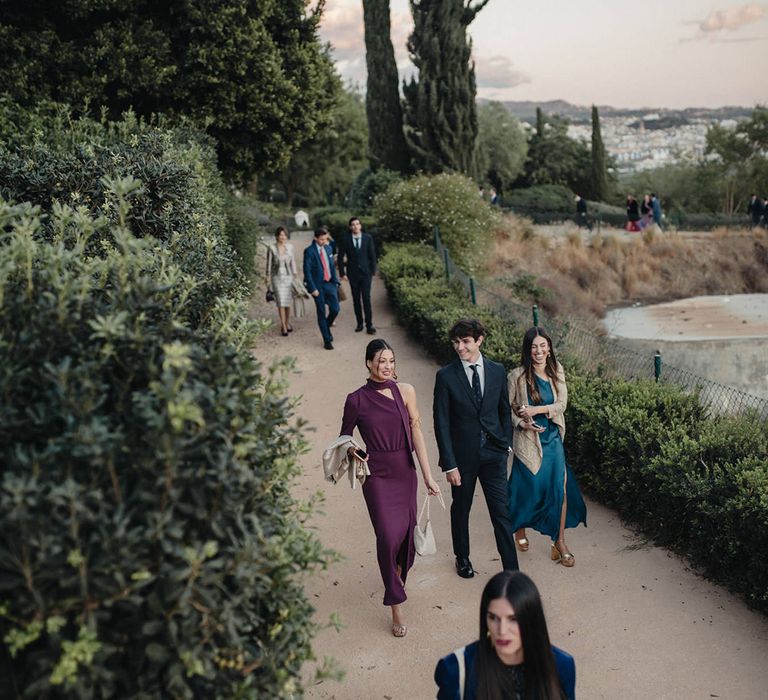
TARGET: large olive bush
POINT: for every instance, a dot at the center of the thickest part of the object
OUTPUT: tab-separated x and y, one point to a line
408	211
50	159
149	544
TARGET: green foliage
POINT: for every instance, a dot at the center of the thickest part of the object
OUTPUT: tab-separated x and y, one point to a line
337	220
323	169
741	158
440	110
410	210
694	482
502	146
177	197
253	75
428	306
525	288
545	197
367	186
386	142
554	158
242	232
598	189
151	545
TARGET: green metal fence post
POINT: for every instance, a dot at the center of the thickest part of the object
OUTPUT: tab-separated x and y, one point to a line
446	263
657	365
535	310
472	290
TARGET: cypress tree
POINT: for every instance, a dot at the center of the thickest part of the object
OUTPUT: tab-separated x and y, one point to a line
440	111
599	174
386	143
539	123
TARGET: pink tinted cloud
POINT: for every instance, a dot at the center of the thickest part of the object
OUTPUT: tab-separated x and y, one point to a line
732	19
498	72
343	28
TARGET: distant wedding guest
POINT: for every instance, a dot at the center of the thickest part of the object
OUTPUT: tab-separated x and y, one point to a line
543	493
321	282
581	213
281	269
656	209
513	658
386	414
765	213
633	214
646	212
755	209
357	263
493	196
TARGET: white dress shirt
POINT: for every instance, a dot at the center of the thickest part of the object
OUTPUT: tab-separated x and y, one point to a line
480	371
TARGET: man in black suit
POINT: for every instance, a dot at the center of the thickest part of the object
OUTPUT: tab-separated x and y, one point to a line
473	427
321	282
357	263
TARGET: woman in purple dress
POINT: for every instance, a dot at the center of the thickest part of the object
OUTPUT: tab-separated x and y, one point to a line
386	415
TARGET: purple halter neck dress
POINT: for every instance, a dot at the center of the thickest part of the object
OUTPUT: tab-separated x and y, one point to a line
390	490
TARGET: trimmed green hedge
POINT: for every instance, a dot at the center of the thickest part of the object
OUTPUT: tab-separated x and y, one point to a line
692	482
151	546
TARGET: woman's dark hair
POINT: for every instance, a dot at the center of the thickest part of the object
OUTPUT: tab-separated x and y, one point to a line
542	681
374	348
550	367
280	229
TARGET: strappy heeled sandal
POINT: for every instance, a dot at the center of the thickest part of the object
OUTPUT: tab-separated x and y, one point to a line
567	559
399	630
522	544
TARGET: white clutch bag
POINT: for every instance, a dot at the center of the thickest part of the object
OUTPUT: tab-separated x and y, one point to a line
424	538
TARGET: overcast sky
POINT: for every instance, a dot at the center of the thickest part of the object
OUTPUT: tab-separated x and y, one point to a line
654	53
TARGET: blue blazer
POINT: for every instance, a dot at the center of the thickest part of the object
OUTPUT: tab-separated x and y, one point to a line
447	674
458	420
313	268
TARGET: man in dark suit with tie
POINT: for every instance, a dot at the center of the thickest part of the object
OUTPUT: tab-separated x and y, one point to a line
473	428
357	263
321	282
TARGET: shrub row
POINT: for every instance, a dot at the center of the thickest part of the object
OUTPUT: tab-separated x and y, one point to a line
692	482
151	547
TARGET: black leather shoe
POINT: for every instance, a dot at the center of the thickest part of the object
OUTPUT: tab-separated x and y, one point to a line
371	330
328	345
358	327
330	335
464	567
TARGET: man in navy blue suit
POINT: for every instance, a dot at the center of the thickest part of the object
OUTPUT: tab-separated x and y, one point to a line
473	428
357	263
322	283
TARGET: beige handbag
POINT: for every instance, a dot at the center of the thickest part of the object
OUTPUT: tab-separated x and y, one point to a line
424	538
342	293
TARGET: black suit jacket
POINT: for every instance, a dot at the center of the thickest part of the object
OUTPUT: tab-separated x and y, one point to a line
459	422
354	263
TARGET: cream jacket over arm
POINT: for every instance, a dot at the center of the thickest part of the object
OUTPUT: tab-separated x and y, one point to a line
525	443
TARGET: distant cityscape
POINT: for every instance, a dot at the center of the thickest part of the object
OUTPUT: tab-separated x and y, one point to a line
640	139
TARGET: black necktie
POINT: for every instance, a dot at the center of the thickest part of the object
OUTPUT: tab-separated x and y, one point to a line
476	385
357	243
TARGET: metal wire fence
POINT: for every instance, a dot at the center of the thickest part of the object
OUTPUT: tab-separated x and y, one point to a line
604	356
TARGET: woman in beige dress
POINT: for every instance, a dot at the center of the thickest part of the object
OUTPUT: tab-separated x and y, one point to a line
281	269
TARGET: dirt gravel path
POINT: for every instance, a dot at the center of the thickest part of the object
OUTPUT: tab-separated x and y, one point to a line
640	624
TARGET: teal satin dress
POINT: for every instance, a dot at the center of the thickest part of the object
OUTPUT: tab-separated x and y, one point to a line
536	500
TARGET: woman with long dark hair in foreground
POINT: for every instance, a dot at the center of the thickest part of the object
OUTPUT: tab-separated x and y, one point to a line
513	659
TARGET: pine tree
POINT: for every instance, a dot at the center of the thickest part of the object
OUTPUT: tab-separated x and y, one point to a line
386	143
440	111
599	176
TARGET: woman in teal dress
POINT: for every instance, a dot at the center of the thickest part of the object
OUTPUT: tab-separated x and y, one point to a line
543	493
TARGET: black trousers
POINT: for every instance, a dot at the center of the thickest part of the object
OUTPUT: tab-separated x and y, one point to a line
361	299
491	470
